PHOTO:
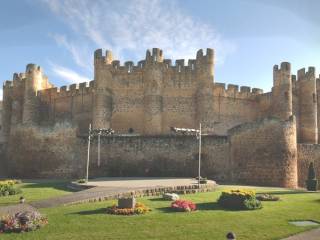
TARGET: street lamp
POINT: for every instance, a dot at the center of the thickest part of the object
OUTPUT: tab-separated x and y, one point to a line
190	131
96	133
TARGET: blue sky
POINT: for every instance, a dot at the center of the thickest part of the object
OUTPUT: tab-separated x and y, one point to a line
249	36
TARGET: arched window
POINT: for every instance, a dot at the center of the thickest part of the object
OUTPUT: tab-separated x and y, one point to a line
130	130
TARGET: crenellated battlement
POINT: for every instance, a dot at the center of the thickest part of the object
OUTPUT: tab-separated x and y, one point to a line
318	83
310	75
234	92
157	92
68	90
17	80
7	84
208	58
153	56
282	75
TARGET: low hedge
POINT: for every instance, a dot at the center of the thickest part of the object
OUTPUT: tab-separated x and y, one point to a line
239	200
9	187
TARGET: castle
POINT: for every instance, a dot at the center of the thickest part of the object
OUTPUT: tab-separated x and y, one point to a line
250	136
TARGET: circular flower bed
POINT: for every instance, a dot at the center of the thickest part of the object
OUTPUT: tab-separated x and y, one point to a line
239	199
22	222
267	197
139	208
183	206
8	187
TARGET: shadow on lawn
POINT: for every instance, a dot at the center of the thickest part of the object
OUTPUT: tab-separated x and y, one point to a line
91	212
159	200
208	206
286	192
59	185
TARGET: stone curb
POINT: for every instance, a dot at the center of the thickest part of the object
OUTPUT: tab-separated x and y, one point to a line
150	192
103	194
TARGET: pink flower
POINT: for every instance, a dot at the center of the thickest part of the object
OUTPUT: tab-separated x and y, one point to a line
183	205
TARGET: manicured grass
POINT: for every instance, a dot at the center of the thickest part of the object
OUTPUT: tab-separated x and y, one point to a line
89	221
34	190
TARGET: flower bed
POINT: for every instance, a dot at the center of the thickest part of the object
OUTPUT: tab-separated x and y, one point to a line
183	206
239	199
139	208
22	222
8	187
267	197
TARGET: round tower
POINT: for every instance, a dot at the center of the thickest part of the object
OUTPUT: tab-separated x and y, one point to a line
318	107
17	99
204	94
153	84
33	83
282	91
7	110
307	95
102	105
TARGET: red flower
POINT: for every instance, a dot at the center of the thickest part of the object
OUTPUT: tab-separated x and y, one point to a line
183	205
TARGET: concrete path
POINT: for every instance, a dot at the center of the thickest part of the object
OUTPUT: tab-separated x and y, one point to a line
134	182
112	188
309	235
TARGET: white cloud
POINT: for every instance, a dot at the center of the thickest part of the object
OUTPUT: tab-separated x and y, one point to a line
128	28
81	56
68	75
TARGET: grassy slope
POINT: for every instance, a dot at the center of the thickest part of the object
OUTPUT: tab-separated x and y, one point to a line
89	221
37	190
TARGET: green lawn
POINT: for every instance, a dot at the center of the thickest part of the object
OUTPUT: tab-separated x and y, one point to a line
89	221
33	190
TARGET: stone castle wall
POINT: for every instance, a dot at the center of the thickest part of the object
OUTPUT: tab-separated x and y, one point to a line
59	153
154	95
1	127
43	126
178	107
37	152
161	156
307	153
240	158
148	98
264	153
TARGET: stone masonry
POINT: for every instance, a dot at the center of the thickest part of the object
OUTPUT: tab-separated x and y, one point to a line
251	136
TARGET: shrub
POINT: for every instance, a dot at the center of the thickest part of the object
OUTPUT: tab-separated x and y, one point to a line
183	206
312	182
82	180
239	199
22	222
252	204
203	180
139	208
267	197
8	187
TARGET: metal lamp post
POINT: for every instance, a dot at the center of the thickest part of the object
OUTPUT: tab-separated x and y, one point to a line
199	164
188	131
88	155
96	133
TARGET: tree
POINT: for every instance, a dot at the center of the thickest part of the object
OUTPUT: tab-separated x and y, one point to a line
312	182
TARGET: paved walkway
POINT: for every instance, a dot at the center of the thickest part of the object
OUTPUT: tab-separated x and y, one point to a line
112	188
309	235
134	182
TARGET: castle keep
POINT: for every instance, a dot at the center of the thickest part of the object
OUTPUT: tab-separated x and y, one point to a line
250	136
